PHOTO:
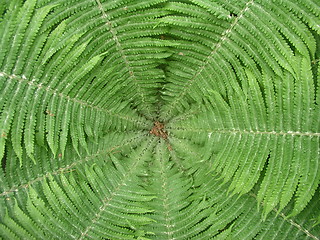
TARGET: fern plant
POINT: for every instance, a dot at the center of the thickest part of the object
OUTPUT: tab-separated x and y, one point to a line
159	119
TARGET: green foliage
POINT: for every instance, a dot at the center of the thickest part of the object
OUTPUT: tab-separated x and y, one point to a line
85	87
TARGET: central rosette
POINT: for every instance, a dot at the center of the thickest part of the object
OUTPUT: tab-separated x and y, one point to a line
159	130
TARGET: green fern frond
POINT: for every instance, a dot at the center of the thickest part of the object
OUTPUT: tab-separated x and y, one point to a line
79	190
266	129
159	119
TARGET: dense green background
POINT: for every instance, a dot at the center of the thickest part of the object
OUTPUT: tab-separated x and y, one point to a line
84	85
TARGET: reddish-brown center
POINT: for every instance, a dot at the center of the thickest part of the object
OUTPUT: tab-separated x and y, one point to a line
158	130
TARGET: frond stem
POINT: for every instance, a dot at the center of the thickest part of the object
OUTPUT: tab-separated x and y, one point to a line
78	101
106	201
239	131
71	166
121	50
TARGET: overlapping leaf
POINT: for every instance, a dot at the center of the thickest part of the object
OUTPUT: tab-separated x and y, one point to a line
234	85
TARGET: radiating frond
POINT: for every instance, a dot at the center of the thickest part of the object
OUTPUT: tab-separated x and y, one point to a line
265	125
159	119
214	51
84	201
